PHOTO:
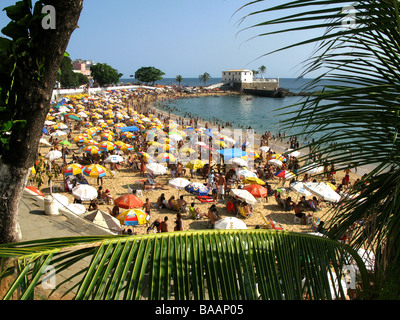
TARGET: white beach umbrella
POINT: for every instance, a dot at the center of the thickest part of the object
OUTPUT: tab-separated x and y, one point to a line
230	223
45	142
114	158
49	123
156	168
179	183
298	186
76	208
312	168
84	192
237	161
53	155
275	162
58	133
322	190
61	200
243	195
292	153
246	174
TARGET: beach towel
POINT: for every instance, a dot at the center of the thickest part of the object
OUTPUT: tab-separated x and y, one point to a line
204	199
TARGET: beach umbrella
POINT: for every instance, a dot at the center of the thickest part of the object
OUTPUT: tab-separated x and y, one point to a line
284	174
34	191
256	190
237	161
275	162
126	147
127	135
186	150
230	223
53	155
232	153
95	170
292	153
61	200
128	201
58	133
197	188
73	169
179	183
278	156
243	195
104	220
243	174
65	143
195	164
90	142
79	139
253	180
45	142
106	146
114	158
84	192
298	186
322	190
133	217
156	168
146	157
166	157
76	208
312	168
92	149
107	136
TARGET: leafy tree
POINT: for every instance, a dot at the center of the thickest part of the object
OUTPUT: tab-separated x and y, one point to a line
358	116
149	74
30	58
179	79
67	77
82	79
255	73
104	74
204	78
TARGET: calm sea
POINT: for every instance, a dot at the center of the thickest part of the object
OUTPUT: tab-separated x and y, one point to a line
242	111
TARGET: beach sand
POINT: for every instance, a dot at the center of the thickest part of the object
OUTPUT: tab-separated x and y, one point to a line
125	177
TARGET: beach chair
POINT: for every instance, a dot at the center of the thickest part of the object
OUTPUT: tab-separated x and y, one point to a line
151	179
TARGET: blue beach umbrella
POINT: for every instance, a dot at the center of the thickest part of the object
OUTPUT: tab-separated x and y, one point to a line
232	153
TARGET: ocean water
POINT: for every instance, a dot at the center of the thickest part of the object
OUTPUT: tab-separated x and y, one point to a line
261	113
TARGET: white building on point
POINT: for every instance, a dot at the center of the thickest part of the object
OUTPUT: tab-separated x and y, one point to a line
237	75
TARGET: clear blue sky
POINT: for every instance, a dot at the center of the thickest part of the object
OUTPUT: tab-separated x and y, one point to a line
183	37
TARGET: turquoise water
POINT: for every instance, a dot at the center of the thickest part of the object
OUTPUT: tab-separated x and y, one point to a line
242	111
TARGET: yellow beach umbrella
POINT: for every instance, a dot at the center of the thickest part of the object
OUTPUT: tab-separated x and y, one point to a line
253	180
195	164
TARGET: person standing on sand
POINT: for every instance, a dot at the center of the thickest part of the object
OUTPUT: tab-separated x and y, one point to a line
146	206
221	182
178	222
164	225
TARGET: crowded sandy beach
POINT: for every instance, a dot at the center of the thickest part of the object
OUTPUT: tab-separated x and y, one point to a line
88	129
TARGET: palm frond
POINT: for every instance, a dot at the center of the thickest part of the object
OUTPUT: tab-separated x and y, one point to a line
207	264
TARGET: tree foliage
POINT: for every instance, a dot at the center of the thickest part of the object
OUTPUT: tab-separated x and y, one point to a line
204	77
104	74
67	77
358	51
149	75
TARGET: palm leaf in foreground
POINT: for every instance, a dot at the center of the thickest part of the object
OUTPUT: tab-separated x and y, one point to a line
198	265
356	116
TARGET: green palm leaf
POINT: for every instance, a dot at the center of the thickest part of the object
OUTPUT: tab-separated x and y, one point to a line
211	264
